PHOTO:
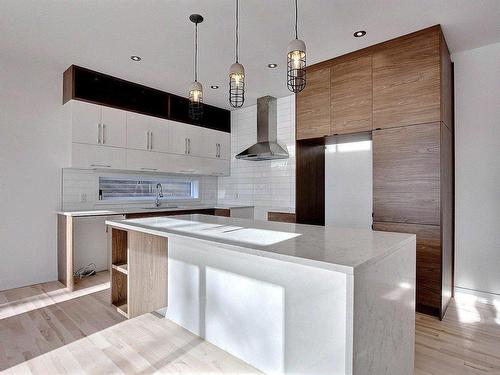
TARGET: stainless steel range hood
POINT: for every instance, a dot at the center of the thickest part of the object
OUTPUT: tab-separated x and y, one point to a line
267	147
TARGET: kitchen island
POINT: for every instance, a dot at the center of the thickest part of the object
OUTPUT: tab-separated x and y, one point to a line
287	298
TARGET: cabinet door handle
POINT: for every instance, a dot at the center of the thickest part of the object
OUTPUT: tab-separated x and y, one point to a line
100	165
149	169
103	133
98	133
189	146
187	170
151	140
147	140
185	146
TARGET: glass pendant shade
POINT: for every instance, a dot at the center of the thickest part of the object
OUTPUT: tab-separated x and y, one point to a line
196	100
296	66
236	85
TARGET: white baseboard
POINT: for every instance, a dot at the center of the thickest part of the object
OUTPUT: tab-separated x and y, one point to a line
484	297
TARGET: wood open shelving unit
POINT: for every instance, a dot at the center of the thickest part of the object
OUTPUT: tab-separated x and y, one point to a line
119	278
138	272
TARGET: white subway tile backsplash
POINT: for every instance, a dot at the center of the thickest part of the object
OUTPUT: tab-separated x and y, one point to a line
268	185
80	190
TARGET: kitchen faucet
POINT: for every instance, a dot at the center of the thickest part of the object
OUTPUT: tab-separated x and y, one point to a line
159	194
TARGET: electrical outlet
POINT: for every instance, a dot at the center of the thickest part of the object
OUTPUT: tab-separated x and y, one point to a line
83	197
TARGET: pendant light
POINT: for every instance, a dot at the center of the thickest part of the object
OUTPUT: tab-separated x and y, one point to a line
296	62
196	88
237	74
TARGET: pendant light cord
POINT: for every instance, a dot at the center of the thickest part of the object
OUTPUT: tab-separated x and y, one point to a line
237	28
196	52
296	11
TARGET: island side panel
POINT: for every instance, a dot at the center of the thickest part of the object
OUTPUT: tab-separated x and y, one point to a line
65	251
278	316
147	273
384	315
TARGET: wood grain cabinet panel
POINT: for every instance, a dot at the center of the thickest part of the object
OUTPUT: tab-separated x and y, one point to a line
225	212
406	174
406	81
283	217
351	96
429	275
313	106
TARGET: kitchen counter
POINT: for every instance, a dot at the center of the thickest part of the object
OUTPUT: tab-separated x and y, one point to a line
137	210
285	298
339	249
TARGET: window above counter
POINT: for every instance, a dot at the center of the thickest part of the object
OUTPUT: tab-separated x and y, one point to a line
139	188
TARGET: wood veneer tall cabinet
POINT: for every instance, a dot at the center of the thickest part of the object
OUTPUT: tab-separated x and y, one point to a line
402	92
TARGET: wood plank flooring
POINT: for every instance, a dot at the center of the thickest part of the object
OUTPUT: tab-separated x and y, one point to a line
46	330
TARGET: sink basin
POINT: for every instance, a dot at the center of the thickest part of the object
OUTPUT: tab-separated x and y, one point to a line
159	208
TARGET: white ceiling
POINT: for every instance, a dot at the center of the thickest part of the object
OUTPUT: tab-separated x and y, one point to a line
102	34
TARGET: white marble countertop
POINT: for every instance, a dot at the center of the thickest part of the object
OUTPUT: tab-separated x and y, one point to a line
135	210
339	249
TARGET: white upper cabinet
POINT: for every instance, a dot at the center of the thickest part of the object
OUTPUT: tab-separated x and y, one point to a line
97	125
159	135
86	122
223	145
105	137
178	138
147	133
113	127
197	138
97	156
137	131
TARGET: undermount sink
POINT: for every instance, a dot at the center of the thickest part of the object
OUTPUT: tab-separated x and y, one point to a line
159	208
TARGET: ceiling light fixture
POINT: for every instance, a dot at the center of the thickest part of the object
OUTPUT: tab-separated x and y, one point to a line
296	61
196	88
136	58
359	34
237	72
215	87
272	66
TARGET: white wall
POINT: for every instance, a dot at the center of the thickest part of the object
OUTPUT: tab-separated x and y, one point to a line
349	184
477	164
267	185
34	146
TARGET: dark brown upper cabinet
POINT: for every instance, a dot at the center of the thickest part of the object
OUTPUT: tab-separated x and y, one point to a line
406	81
313	106
351	96
94	87
406	174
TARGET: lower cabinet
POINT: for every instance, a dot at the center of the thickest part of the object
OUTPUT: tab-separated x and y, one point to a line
429	282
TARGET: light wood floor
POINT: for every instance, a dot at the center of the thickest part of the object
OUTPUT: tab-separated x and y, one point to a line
46	330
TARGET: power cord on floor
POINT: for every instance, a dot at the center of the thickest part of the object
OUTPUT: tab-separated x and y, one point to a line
86	271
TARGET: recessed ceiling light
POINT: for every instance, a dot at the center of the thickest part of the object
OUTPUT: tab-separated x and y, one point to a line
215	87
272	66
359	34
136	58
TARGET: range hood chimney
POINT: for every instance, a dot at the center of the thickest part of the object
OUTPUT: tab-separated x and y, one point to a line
267	147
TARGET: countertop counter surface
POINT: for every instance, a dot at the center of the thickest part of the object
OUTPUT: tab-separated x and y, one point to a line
346	250
135	210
